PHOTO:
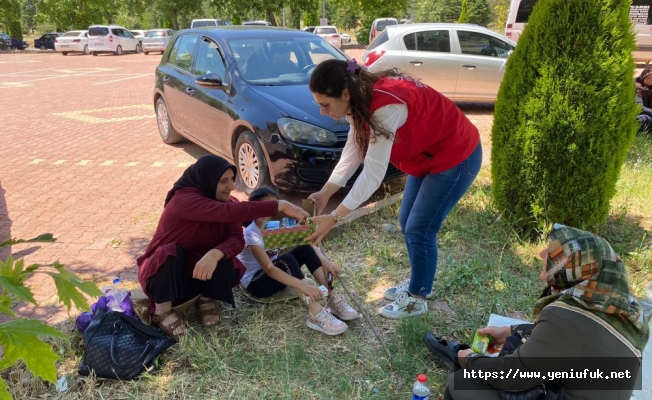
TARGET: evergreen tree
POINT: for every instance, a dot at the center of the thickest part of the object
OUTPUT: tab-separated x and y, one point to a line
464	13
565	115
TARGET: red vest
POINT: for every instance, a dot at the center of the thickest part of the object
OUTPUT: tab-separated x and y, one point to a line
436	135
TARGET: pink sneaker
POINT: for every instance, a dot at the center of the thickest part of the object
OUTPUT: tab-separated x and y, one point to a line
341	309
326	323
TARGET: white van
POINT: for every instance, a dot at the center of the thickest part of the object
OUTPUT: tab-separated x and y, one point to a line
640	15
111	39
201	23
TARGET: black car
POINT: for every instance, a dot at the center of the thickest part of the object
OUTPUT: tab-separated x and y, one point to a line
46	41
242	93
5	41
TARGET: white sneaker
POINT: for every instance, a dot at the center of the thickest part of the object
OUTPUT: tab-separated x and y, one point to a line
326	323
404	306
342	309
393	292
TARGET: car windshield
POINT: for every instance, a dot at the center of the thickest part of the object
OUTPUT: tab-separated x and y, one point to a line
98	31
71	33
325	31
383	24
201	24
5	36
280	61
155	34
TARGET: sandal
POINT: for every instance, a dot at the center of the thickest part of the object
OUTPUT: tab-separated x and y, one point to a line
208	308
176	324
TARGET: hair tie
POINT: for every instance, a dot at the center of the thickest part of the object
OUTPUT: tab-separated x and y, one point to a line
352	66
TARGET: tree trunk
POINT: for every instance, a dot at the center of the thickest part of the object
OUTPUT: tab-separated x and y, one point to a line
270	14
175	20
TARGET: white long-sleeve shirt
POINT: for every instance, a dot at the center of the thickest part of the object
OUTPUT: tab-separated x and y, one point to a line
391	117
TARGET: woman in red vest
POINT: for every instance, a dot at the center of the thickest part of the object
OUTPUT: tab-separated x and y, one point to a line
397	119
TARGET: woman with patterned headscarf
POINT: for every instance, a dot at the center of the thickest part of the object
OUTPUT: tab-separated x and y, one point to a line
587	323
643	84
193	251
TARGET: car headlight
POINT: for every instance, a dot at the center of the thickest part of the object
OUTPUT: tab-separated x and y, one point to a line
301	132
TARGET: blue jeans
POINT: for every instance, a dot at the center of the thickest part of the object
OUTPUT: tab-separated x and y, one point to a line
426	204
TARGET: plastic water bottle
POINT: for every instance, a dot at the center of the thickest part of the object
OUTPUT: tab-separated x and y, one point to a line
324	294
116	293
420	390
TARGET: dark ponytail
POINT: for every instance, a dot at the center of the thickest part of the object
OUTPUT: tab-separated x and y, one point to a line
259	194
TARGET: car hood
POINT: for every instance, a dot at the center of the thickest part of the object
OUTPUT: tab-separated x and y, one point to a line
297	102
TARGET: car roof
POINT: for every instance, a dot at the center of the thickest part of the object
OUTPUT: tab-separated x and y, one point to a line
326	26
245	31
395	29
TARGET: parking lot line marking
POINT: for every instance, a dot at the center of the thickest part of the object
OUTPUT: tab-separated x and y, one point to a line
36	161
84	162
74	74
7	85
83	115
132	164
124	79
183	165
59	162
24	72
108	162
158	164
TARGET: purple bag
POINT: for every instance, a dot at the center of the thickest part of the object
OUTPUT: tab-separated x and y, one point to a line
84	319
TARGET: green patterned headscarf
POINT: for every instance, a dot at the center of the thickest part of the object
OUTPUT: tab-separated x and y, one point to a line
584	271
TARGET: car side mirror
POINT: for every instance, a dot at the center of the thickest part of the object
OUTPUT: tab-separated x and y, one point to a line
210	80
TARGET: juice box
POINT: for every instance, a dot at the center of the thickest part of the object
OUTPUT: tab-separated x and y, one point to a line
481	343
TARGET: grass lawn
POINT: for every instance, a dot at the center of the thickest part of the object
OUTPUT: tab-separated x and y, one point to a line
266	351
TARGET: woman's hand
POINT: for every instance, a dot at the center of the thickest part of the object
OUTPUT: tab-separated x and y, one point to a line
206	266
309	290
499	333
324	224
292	211
320	199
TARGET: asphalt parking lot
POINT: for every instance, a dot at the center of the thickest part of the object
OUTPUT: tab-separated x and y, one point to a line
82	159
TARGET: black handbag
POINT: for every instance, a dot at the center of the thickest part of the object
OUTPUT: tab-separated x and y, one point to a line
551	390
120	347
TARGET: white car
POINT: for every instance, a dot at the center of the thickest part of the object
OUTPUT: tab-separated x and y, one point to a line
464	62
257	23
157	40
72	42
346	38
329	33
139	34
111	39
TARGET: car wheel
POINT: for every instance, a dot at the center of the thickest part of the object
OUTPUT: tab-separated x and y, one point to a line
118	51
65	53
165	129
86	49
146	53
138	48
95	53
251	163
43	48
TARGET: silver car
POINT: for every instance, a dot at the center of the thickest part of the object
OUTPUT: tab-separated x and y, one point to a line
157	40
464	62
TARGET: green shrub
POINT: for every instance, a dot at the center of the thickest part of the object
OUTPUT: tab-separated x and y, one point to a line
464	13
565	115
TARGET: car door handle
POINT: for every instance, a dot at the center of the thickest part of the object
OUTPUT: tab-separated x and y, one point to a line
166	80
190	92
416	62
469	66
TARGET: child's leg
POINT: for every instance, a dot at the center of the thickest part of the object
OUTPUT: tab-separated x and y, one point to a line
305	254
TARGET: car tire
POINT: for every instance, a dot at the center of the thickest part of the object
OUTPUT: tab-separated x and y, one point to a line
86	52
164	124
138	48
251	163
95	53
65	53
43	47
118	51
146	53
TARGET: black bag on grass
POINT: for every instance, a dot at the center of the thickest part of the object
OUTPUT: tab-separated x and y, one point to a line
117	346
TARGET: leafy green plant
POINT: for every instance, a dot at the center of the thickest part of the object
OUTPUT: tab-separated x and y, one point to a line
565	115
20	338
464	13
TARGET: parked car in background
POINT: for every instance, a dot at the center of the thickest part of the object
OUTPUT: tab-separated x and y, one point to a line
72	42
5	41
157	40
346	38
18	44
111	39
310	29
46	41
379	25
464	62
138	34
201	23
257	23
329	33
243	94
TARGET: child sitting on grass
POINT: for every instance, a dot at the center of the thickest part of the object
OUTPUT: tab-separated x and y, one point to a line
266	276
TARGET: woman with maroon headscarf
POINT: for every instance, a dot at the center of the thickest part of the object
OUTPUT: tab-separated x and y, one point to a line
193	251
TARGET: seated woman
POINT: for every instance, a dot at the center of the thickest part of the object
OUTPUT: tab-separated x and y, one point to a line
193	251
587	310
266	276
644	98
